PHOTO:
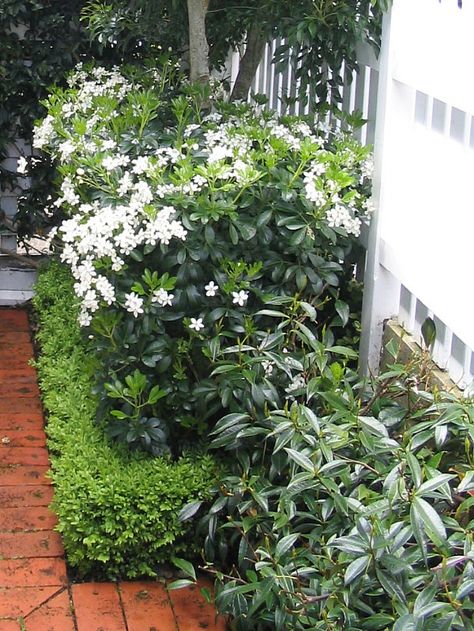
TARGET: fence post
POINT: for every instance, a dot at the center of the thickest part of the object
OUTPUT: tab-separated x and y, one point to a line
381	290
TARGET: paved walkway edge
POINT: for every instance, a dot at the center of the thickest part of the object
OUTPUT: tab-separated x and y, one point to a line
35	593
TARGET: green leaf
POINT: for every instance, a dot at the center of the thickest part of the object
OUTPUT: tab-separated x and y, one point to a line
300	459
189	510
428	331
405	623
418	531
343	310
373	425
184	566
432	524
390	585
414	466
425	597
355	569
229	420
467	483
156	393
342	350
179	584
309	310
285	544
465	589
434	483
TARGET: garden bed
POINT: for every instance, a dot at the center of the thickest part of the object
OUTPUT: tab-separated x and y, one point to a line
117	510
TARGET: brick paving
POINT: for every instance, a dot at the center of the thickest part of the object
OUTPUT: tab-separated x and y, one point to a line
35	594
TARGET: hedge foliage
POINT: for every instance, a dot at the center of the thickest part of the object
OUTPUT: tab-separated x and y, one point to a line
117	510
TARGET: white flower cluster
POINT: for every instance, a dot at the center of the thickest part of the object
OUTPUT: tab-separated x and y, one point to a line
147	182
43	133
342	216
295	384
96	234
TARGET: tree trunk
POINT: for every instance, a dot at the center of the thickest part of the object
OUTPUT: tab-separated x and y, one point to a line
198	46
249	63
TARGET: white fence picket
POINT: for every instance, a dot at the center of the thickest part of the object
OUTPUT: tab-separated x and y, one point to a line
424	165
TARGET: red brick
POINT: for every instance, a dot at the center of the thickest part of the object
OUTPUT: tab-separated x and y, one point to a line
25	495
14	405
15	361
25	375
23	455
192	611
21	338
53	615
20	475
147	606
97	607
32	572
15	357
10	625
26	518
26	421
22	545
22	438
13	320
20	601
20	390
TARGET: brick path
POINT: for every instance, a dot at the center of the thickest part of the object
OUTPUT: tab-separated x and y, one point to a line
35	594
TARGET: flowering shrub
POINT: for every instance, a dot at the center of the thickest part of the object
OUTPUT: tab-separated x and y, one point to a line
188	234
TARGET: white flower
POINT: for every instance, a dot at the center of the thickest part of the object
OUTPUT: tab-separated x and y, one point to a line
141	164
42	134
66	149
369	207
196	324
162	297
211	288
340	216
125	184
367	167
84	318
295	384
133	303
22	165
240	297
110	163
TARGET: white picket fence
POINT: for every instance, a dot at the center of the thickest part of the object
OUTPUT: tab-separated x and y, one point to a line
419	101
420	259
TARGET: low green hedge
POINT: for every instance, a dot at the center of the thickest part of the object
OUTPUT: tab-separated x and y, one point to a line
117	509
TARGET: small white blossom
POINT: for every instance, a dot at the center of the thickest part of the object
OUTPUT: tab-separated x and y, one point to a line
110	162
162	297
196	324
125	184
22	166
134	304
211	288
295	384
66	149
141	165
367	167
43	133
84	318
240	297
